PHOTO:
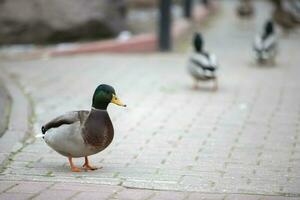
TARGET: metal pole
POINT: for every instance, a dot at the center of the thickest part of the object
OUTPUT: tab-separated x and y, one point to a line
165	25
187	8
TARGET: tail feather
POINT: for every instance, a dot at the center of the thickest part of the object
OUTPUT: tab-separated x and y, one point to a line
39	136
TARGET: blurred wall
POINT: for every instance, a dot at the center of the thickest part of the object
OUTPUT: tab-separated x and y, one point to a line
52	21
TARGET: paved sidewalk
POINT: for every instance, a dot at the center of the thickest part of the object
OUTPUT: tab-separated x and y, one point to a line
241	142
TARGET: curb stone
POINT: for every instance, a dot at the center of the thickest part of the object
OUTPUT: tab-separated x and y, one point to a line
19	120
5	106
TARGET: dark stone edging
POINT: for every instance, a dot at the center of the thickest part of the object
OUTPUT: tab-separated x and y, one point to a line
19	124
5	106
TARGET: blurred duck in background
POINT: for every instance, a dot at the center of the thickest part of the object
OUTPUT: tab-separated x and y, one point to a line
202	65
284	13
292	7
245	8
206	3
265	44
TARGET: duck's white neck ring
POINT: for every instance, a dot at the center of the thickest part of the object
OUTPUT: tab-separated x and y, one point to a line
93	108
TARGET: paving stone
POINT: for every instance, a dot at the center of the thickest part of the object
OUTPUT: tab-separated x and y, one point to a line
6	185
239	196
55	194
29	187
169	195
204	196
85	187
92	195
14	196
278	198
133	194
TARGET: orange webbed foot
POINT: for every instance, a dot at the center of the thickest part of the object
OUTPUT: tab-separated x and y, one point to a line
75	169
88	167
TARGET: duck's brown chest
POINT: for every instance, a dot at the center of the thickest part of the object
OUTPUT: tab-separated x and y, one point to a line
98	129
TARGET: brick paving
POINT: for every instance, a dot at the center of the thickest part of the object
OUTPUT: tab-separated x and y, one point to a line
171	142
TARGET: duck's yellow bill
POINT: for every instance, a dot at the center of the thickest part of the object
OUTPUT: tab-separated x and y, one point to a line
117	101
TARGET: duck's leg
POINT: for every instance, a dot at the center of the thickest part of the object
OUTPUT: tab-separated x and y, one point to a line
272	60
73	167
215	87
196	86
86	164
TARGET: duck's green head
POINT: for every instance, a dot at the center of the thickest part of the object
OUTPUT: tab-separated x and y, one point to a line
103	95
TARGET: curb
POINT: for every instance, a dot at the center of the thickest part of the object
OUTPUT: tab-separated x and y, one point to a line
139	43
18	123
5	105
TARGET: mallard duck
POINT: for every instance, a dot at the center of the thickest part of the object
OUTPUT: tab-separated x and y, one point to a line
265	44
206	3
293	8
83	133
282	16
245	8
202	65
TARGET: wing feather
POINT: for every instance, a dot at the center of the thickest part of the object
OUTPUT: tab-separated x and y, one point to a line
68	118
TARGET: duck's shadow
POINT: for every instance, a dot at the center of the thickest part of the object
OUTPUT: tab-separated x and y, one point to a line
264	65
202	88
205	87
61	171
